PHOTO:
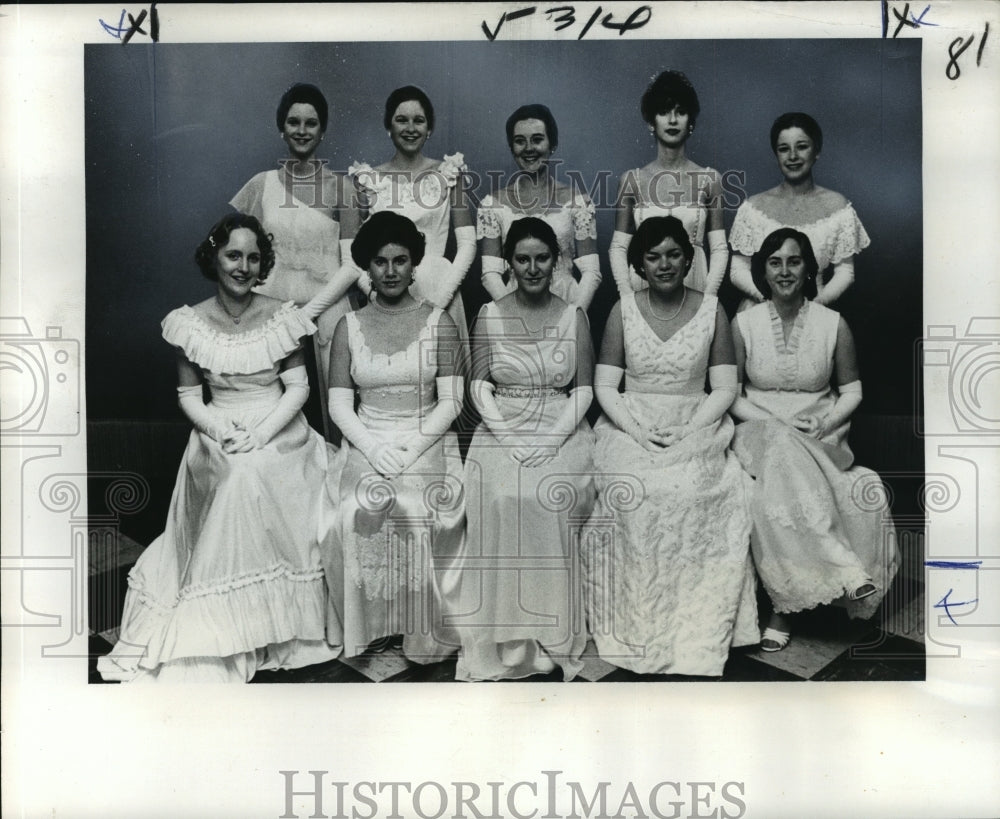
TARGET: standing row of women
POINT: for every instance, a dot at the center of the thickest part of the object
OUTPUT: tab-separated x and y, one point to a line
507	556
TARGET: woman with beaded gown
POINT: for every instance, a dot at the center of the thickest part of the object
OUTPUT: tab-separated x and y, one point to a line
670	586
235	582
528	474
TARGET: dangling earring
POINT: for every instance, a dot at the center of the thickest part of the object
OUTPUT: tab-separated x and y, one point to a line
690	129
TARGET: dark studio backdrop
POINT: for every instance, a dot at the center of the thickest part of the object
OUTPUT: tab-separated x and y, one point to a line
173	131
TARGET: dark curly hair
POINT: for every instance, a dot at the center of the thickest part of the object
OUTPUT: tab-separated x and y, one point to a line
772	242
670	89
408	93
206	254
305	93
796	119
650	233
387	228
534	110
530	227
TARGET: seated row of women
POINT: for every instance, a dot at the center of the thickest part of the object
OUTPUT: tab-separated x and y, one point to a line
314	213
646	533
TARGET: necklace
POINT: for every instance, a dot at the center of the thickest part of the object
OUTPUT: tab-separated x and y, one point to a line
383	309
652	312
238	316
536	203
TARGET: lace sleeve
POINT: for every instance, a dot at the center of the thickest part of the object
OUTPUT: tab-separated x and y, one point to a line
850	236
488	225
584	219
746	235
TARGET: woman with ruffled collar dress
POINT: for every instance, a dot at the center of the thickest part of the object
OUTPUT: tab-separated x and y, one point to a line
533	135
430	192
825	216
309	211
393	562
235	582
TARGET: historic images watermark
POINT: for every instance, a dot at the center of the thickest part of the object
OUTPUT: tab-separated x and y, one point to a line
319	795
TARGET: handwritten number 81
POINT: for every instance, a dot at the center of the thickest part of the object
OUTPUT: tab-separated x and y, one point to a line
958	46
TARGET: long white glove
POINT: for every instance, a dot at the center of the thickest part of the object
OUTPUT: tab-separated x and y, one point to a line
848	400
383	457
337	285
718	258
294	398
206	419
722	380
743	409
606	381
436	279
739	275
590	279
493	270
843	277
481	392
437	422
618	256
569	419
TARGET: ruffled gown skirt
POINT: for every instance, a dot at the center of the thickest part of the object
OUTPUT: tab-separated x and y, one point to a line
394	558
522	605
821	527
235	582
670	585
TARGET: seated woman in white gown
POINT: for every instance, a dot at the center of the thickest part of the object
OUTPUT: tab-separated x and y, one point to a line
825	216
430	192
393	561
529	483
235	582
822	528
671	185
309	211
533	135
670	585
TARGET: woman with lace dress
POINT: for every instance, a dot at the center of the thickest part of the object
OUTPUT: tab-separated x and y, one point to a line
529	485
310	212
825	216
671	185
394	559
533	135
670	585
822	528
235	582
427	191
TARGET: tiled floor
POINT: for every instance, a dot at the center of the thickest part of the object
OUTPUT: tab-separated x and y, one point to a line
826	644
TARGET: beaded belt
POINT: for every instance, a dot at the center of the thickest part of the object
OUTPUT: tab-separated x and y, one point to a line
528	392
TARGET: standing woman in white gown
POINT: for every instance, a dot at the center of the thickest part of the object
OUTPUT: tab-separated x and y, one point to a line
430	192
235	582
529	474
393	563
309	211
532	135
825	216
672	185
